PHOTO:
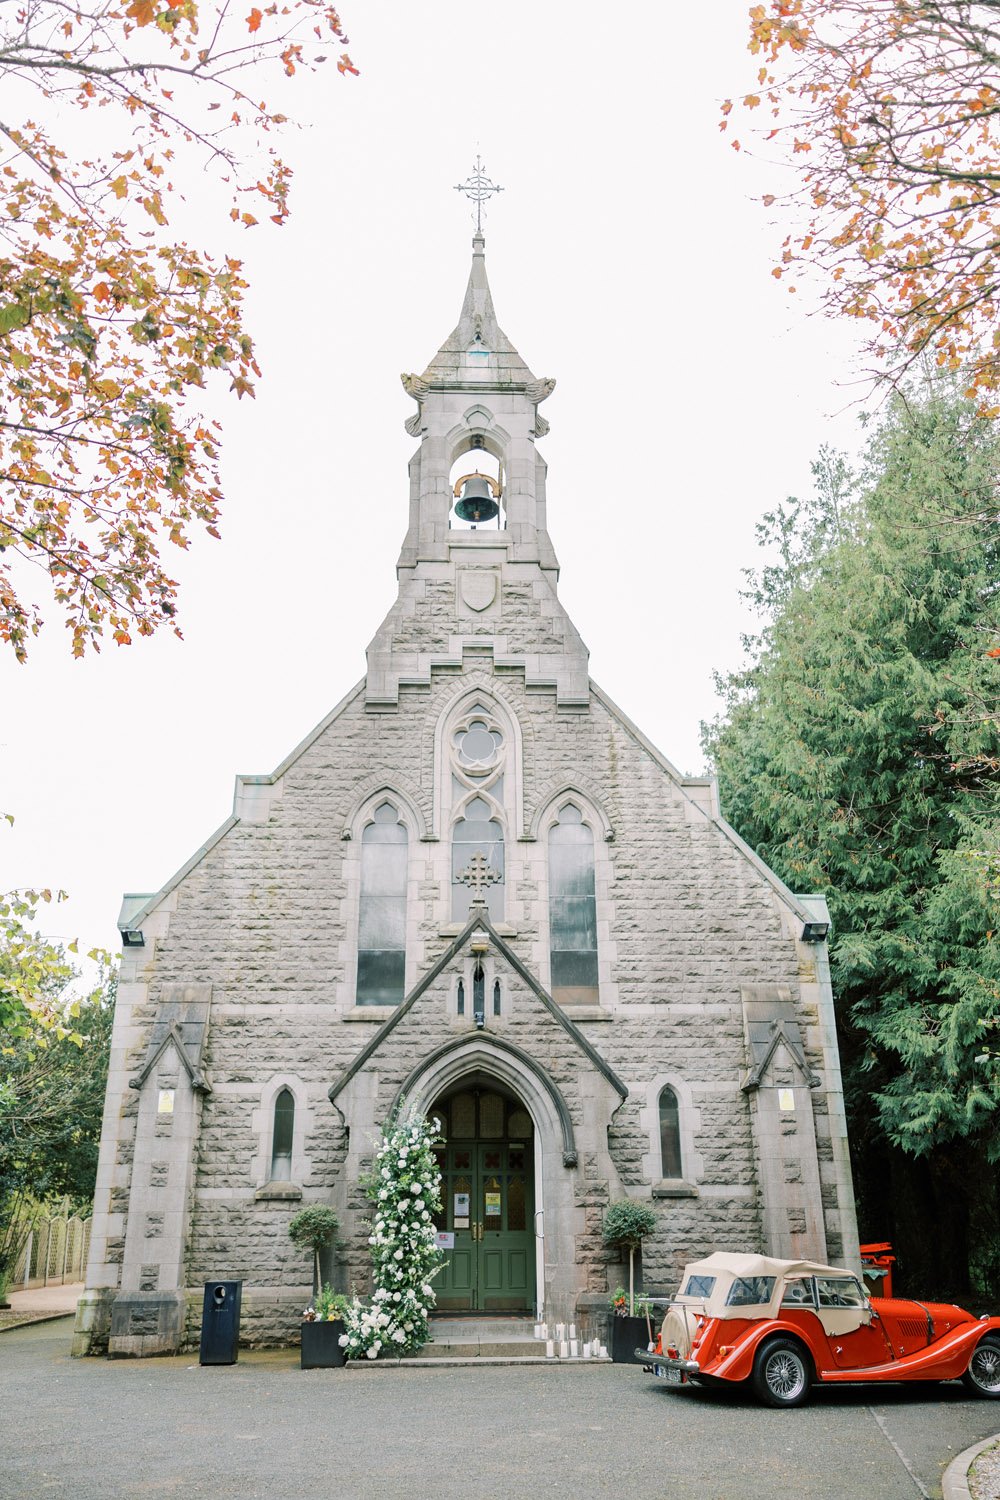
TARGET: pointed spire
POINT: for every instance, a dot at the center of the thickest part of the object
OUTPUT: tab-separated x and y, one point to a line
477	352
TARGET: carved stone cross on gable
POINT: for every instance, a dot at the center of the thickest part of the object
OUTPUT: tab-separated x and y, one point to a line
478	874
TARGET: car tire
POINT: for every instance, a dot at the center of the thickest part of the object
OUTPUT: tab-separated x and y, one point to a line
781	1373
983	1375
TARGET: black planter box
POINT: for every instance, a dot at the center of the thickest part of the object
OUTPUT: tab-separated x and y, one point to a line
628	1335
321	1345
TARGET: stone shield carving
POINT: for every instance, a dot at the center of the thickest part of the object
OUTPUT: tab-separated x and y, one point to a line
478	587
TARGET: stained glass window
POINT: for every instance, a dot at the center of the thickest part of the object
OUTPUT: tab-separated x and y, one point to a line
281	1138
382	924
670	1135
572	910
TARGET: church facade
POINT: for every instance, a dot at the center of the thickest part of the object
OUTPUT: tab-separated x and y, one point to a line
476	890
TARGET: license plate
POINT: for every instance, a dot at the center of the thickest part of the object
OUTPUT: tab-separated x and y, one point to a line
673	1376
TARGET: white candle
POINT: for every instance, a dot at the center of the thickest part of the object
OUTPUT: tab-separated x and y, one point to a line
574	1348
564	1350
550	1349
572	1332
604	1351
538	1330
586	1351
545	1331
560	1331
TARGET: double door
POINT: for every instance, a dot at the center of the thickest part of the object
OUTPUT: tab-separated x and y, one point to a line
488	1216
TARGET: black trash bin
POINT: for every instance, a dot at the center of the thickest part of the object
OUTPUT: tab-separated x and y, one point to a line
220	1322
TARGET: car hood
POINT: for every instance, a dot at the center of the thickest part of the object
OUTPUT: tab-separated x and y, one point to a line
933	1319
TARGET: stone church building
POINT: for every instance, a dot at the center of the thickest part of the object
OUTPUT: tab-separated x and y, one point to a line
477	889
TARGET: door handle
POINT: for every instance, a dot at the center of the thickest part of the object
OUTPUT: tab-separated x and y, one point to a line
539	1232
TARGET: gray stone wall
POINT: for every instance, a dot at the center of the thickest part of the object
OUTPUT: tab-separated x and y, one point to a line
266	918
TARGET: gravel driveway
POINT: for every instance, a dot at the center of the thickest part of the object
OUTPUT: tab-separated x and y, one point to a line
125	1430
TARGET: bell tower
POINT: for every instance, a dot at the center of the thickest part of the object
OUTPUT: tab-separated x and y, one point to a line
477	571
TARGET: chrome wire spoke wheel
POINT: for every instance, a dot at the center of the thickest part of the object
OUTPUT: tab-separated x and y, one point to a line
984	1368
785	1375
782	1373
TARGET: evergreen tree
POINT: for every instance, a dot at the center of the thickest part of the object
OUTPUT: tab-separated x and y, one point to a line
858	754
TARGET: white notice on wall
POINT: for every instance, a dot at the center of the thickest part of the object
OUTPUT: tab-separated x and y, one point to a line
461	1205
786	1101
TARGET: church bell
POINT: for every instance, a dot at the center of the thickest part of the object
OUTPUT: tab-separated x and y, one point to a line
477	503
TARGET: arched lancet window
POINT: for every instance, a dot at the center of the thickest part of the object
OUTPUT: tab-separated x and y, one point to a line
477	863
670	1135
382	920
572	910
281	1137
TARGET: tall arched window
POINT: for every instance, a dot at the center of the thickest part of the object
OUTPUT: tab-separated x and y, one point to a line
477	865
670	1135
572	910
382	919
281	1137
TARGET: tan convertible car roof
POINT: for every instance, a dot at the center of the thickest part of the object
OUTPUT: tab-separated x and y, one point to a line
726	1269
724	1263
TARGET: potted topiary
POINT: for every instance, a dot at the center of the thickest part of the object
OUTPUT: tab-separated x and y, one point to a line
322	1328
312	1229
626	1225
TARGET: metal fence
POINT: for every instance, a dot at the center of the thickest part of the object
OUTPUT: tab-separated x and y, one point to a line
54	1252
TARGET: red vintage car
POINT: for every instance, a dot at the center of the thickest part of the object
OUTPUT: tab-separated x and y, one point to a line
786	1325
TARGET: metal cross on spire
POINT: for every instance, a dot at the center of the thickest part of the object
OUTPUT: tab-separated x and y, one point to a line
478	188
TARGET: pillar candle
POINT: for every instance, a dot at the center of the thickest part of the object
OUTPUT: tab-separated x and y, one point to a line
574	1348
564	1350
538	1330
572	1332
550	1349
560	1332
586	1351
604	1351
545	1331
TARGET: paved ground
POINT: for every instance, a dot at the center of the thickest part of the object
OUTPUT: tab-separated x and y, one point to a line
264	1430
40	1303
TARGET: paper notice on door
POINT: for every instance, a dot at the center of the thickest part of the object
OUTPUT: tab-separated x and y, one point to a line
444	1240
463	1222
492	1204
461	1205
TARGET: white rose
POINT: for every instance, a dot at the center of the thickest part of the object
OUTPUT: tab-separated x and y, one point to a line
419	1203
399	1336
371	1353
398	1255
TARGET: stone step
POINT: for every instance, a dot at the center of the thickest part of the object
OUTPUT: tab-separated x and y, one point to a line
489	1346
477	1329
416	1362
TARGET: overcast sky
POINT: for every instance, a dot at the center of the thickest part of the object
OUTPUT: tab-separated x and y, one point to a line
627	257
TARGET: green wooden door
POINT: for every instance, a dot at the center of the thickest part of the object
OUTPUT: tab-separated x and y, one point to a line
488	1208
506	1241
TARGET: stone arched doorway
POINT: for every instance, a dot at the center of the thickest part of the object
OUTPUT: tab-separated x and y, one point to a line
487	1163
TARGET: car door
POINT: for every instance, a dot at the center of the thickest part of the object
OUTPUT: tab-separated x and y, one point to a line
853	1334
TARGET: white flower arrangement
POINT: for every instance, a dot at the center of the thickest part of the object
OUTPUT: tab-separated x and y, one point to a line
405	1185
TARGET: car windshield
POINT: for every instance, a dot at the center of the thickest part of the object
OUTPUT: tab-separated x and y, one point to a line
750	1291
699	1286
